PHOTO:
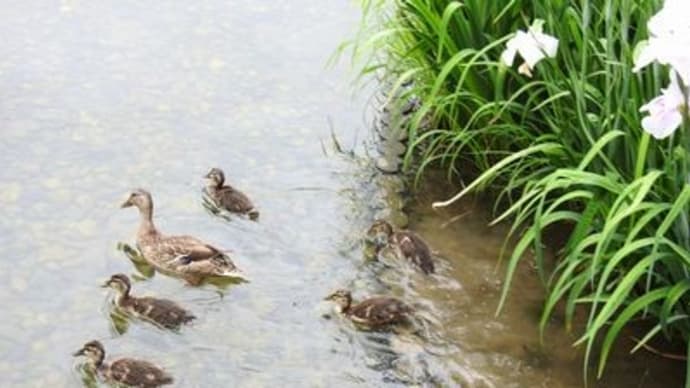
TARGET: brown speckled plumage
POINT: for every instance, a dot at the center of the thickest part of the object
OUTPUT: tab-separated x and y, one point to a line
162	312
405	244
182	255
227	197
128	371
373	312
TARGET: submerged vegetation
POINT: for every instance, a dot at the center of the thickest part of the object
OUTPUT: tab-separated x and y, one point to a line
561	142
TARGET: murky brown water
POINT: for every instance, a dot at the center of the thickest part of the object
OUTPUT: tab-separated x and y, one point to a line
99	97
505	351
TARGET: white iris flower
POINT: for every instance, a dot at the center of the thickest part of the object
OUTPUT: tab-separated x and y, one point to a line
533	46
665	111
669	40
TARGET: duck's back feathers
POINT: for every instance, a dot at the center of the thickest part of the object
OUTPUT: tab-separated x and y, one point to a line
187	255
187	247
233	200
379	311
137	373
163	312
413	248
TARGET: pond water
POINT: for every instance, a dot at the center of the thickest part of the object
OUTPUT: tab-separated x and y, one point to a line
99	97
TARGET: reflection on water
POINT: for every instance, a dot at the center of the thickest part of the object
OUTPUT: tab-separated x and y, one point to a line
100	97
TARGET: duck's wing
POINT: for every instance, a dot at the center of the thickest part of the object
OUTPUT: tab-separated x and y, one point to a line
188	248
187	254
415	249
220	265
234	200
162	311
379	311
138	373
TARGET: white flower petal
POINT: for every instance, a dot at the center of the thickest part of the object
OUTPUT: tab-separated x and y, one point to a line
681	65
531	53
647	55
671	20
662	126
548	44
508	56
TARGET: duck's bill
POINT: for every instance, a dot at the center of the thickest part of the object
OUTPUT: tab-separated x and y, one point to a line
78	353
125	204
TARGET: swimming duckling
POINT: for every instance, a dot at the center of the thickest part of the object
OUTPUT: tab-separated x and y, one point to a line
405	244
185	256
163	312
126	371
227	197
374	312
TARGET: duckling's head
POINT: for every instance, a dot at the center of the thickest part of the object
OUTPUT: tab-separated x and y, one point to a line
120	283
139	198
380	231
94	352
342	299
215	177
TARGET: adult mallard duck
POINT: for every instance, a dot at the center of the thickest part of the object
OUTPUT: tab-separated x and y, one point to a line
227	197
184	256
375	312
404	243
125	371
162	312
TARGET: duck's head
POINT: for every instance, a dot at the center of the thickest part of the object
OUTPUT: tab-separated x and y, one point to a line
94	352
120	283
380	231
342	299
215	177
139	198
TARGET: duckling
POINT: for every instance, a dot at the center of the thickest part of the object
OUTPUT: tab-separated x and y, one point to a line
127	371
227	197
183	255
405	244
162	312
375	312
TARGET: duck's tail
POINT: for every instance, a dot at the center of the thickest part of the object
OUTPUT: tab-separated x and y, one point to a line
233	273
188	318
166	379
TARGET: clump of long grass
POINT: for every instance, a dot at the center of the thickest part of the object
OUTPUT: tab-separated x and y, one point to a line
563	147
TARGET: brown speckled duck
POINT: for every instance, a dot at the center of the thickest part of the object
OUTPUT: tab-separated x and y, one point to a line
227	197
375	312
184	256
125	371
162	312
404	243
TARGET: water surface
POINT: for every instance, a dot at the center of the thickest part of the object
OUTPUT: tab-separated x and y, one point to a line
100	97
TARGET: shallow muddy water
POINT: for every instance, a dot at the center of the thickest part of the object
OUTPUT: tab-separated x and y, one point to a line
100	97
